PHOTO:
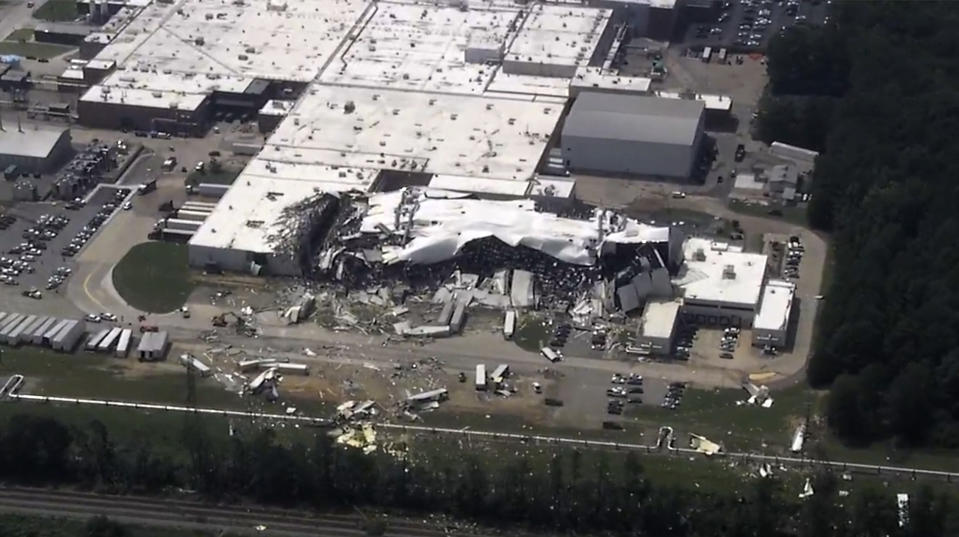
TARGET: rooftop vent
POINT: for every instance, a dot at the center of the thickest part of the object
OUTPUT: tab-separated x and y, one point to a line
729	272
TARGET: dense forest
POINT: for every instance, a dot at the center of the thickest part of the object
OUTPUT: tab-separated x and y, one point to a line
568	491
886	188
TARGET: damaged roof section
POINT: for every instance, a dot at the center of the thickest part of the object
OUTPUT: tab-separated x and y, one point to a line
436	227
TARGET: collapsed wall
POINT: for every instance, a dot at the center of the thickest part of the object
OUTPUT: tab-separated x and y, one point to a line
417	237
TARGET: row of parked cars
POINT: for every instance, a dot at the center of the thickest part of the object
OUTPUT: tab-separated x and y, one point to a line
683	342
82	236
11	268
794	253
36	236
674	395
727	345
58	277
757	16
624	390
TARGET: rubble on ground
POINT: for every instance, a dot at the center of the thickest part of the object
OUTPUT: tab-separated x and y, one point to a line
411	261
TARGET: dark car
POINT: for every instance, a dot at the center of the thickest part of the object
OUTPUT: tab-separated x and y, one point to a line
740	153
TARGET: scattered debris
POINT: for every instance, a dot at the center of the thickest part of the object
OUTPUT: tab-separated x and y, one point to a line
799	438
704	445
758	395
301	310
807	490
902	507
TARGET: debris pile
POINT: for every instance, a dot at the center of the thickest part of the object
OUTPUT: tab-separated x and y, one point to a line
758	395
704	445
381	250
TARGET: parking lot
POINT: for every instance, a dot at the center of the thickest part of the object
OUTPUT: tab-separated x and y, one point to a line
747	25
38	241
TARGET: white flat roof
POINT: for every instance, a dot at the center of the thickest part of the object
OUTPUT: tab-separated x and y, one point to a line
479	185
776	304
559	34
291	40
707	280
536	86
249	213
35	141
173	54
410	46
710	102
159	91
659	318
596	78
442	134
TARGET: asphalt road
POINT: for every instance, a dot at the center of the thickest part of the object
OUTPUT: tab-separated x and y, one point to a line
196	515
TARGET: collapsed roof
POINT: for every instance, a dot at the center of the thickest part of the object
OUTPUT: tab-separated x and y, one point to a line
436	225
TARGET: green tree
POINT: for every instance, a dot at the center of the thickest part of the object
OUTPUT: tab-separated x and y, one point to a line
101	526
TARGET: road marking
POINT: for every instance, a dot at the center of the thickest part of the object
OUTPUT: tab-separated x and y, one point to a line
86	291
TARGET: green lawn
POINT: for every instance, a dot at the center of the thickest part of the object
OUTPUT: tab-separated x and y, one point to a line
154	277
226	176
532	333
33	50
57	11
102	376
21	34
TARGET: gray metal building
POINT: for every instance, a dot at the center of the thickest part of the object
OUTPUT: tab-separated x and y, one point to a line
632	134
33	149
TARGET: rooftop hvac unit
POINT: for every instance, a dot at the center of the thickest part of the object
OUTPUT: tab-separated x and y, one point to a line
699	254
729	272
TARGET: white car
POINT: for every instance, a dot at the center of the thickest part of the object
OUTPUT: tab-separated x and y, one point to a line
108	317
92	318
127	206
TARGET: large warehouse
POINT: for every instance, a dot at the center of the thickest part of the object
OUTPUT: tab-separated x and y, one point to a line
34	149
632	134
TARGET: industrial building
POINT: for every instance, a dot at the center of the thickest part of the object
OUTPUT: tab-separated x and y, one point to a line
771	325
658	325
720	284
33	149
633	135
61	33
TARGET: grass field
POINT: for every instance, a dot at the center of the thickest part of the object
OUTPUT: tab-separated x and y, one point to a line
102	376
226	176
20	34
154	277
532	333
33	50
57	11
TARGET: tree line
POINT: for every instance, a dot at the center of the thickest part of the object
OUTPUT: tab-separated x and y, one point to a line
885	187
569	491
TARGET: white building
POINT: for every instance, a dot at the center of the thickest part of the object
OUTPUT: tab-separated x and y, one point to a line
658	325
771	325
720	285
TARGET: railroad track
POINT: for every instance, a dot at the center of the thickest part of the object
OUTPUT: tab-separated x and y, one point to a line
196	515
